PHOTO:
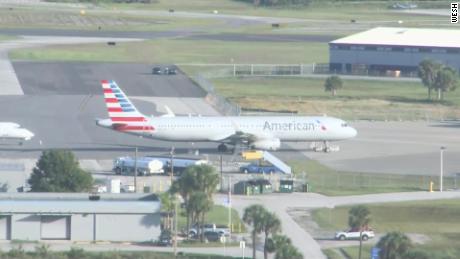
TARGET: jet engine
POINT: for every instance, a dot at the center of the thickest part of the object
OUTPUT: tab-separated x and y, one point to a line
267	144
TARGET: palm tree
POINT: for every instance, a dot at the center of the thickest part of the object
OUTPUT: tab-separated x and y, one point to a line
185	186
197	178
167	205
284	249
359	218
206	178
197	207
253	215
270	225
394	245
332	84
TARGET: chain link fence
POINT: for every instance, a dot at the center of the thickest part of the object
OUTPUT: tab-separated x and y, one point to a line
222	104
267	70
373	183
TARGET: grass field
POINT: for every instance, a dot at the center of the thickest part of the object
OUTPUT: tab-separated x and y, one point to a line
7	37
335	183
219	216
438	220
320	17
182	51
342	10
359	99
100	20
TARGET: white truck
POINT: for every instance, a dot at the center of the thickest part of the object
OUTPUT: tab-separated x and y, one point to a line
221	229
145	165
354	234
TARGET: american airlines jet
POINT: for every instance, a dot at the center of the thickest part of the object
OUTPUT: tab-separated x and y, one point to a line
11	130
260	132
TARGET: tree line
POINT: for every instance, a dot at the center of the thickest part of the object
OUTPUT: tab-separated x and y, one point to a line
435	76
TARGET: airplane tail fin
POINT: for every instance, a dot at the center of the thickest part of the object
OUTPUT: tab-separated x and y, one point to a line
121	110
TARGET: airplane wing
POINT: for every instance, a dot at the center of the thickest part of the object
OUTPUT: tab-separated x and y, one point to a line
241	136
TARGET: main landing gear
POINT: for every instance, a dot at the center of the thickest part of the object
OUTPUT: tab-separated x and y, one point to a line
235	150
222	148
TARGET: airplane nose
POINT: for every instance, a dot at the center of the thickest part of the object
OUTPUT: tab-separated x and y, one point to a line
29	135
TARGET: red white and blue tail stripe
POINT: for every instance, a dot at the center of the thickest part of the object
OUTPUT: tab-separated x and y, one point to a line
122	112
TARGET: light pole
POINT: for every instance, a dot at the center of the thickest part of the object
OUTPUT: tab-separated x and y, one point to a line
135	170
441	167
221	176
172	163
230	206
175	227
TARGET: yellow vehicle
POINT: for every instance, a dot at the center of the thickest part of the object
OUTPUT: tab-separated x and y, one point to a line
252	155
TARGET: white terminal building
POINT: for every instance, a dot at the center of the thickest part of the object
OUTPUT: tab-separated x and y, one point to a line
79	217
382	50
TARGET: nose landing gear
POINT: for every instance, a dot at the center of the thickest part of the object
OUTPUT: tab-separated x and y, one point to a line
324	147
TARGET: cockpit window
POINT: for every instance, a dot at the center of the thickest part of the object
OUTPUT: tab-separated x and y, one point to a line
344	125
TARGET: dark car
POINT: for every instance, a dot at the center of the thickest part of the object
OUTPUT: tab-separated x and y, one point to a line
212	236
157	71
262	169
170	71
165	239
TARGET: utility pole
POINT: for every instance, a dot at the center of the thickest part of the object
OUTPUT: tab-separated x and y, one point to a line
441	168
172	163
221	176
229	207
135	170
175	227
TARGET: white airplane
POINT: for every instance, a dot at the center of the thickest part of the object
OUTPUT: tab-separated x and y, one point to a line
11	130
260	132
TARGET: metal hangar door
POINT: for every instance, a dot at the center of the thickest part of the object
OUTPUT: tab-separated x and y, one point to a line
5	227
55	227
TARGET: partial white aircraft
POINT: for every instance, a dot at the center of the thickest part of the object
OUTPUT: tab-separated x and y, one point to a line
260	132
11	130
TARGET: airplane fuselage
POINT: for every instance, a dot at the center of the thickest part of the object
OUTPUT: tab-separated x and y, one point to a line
264	132
284	128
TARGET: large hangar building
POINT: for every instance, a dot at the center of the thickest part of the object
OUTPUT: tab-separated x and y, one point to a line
382	50
79	217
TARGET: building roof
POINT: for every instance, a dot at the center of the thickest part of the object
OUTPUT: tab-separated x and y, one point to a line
73	203
404	37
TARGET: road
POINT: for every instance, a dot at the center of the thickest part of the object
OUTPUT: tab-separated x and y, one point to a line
280	203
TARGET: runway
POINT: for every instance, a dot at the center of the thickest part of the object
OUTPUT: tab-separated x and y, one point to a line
183	34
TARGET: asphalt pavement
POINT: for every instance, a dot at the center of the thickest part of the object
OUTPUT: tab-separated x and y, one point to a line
182	34
406	147
76	78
